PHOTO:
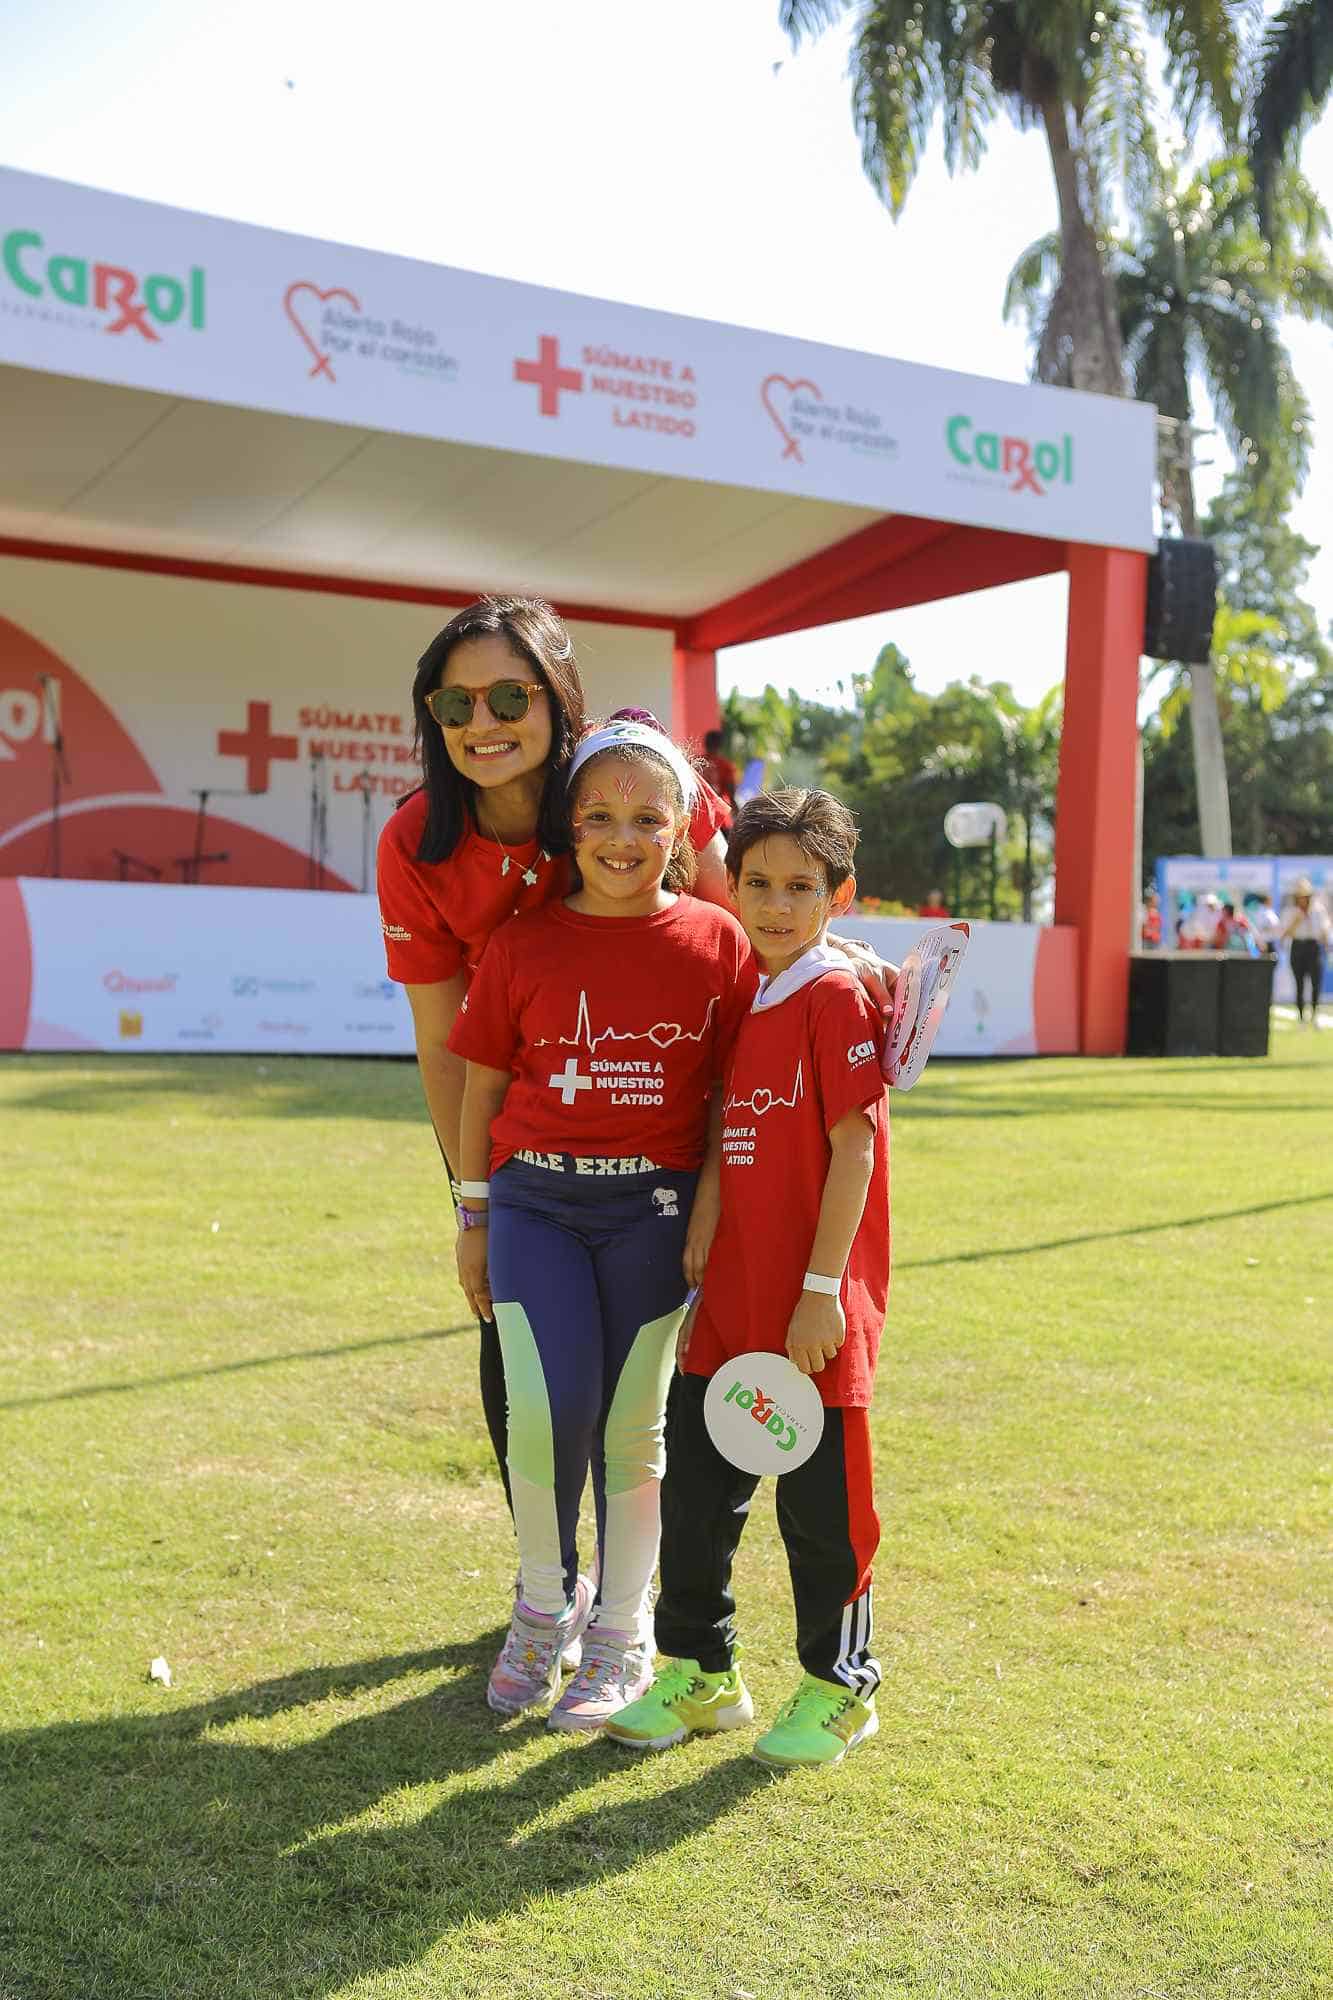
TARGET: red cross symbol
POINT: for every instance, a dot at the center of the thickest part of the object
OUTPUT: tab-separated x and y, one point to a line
548	375
257	746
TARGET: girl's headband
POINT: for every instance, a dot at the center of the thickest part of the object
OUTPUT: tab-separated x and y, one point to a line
623	735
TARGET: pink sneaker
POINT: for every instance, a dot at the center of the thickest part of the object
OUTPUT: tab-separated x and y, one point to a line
527	1670
617	1668
585	1596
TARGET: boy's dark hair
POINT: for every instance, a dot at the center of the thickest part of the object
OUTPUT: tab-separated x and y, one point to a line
713	740
820	825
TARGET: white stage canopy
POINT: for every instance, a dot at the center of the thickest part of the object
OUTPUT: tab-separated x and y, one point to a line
185	386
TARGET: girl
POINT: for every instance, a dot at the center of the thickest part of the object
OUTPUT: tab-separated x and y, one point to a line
499	708
594	1033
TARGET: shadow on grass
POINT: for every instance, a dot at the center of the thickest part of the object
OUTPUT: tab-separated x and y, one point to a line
385	1089
297	1354
1109	1235
157	1855
1086	1100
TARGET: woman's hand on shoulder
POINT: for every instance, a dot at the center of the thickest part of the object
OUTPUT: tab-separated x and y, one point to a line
877	975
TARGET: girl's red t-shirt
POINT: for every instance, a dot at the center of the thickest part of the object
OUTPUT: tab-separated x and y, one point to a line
437	916
615	1028
797	1068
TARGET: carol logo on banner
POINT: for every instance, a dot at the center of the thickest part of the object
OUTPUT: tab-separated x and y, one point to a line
920	999
763	1414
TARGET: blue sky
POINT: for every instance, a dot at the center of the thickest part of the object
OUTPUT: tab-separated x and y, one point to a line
678	157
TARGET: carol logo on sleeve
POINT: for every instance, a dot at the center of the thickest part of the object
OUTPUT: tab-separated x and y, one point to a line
1020	464
62	282
763	1415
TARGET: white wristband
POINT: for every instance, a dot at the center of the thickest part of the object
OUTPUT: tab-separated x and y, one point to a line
813	1282
475	1190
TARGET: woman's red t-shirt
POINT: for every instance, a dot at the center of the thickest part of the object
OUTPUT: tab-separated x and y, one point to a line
616	1029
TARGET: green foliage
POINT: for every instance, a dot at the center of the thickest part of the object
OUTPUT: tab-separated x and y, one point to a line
1295	75
1275	696
967	59
900	758
1200	295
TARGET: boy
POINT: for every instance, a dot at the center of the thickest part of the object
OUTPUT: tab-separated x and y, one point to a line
799	1265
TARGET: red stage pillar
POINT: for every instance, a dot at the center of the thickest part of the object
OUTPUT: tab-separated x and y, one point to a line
1094	825
694	706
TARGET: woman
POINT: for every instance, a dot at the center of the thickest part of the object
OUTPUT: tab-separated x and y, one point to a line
1307	931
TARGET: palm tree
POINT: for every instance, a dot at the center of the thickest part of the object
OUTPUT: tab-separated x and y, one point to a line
1295	75
1075	69
1199	295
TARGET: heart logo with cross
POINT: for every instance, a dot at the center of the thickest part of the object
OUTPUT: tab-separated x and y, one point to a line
793	448
323	364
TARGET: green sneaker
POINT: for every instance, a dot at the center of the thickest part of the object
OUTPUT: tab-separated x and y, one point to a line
680	1701
819	1725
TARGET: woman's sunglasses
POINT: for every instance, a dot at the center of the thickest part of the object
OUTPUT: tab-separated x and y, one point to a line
508	701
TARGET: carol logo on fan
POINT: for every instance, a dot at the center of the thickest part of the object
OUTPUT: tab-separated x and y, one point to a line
762	1413
128	302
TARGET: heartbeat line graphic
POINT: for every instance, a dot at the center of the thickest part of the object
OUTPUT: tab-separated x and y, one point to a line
763	1100
663	1034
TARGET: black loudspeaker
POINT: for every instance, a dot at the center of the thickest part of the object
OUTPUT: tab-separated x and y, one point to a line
1247	995
1182	600
1174	1004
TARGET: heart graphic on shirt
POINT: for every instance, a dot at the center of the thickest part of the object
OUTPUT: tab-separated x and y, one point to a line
793	449
664	1034
323	364
760	1102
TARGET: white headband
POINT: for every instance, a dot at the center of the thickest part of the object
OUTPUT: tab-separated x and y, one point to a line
620	736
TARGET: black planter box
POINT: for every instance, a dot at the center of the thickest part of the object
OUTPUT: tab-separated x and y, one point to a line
1198	1003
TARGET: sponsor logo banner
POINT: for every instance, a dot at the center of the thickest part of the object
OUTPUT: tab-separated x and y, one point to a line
254	318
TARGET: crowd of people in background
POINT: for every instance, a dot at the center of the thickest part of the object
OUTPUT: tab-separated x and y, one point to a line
1303	928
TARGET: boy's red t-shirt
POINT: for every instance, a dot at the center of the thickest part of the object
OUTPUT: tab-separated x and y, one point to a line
616	1029
437	916
796	1069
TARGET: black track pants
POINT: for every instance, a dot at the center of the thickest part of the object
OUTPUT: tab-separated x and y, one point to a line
827	1518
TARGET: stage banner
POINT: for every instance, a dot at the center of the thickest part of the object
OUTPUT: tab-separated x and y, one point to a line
157	968
98	286
176	730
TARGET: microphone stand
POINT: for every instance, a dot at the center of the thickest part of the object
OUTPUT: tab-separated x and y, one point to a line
367	832
190	864
319	821
55	736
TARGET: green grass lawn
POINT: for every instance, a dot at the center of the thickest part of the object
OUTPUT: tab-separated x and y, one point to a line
240	1428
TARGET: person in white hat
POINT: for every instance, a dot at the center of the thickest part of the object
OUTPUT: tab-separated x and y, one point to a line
1306	931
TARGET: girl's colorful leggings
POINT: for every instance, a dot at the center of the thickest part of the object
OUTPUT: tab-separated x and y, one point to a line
586	1274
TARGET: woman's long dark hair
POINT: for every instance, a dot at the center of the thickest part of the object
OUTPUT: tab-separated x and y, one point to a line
535	633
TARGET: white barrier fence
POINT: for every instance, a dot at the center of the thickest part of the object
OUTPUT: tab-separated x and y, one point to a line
155	967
